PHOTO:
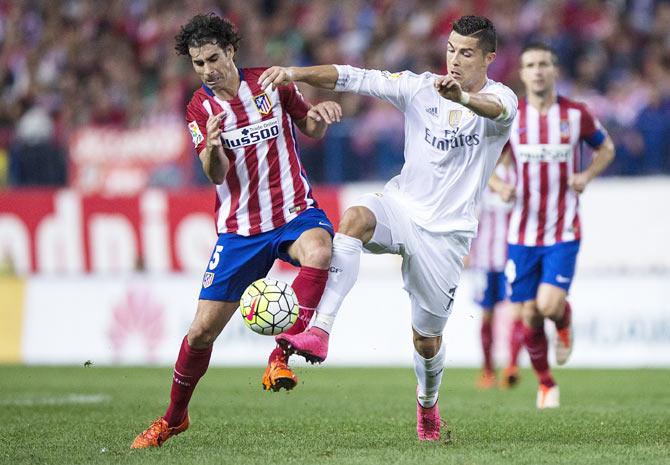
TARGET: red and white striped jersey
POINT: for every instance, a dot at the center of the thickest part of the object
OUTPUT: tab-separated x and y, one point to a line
266	185
489	249
546	152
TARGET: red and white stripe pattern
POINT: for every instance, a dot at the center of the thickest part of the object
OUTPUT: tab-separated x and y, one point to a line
545	149
489	248
266	186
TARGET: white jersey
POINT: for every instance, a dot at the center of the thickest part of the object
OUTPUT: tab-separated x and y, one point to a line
489	248
450	152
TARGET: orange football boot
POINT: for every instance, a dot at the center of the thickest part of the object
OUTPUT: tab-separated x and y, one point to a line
157	433
510	377
279	375
487	380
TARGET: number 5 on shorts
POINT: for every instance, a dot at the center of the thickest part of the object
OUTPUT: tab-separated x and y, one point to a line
214	262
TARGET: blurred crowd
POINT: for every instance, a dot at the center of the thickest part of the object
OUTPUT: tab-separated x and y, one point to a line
65	64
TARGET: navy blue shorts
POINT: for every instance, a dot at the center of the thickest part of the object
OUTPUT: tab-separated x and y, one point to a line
527	267
237	260
492	289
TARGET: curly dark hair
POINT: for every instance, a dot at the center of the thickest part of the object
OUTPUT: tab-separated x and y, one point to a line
480	27
206	29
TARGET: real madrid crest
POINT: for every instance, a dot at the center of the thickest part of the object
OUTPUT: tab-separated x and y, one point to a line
455	118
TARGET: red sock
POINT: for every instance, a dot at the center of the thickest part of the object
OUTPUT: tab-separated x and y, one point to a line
566	319
191	365
308	287
516	342
536	343
487	344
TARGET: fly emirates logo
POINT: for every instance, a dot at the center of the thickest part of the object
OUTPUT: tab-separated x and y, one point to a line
451	140
556	153
252	134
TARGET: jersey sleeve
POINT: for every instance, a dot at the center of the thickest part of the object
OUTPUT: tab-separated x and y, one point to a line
196	119
509	102
293	102
396	88
590	129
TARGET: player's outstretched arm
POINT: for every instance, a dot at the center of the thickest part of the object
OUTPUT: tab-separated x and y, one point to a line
603	155
318	118
215	164
322	76
482	104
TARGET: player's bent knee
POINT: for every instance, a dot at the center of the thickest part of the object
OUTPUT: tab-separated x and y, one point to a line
551	311
358	222
427	347
200	337
317	255
550	308
550	301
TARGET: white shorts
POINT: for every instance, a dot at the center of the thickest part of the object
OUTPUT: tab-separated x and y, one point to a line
432	262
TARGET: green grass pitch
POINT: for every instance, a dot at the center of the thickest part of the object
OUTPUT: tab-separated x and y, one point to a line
78	415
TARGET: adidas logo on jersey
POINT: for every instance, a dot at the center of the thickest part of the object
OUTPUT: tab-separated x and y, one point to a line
432	111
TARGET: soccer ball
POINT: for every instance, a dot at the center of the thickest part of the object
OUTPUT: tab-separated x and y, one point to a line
269	307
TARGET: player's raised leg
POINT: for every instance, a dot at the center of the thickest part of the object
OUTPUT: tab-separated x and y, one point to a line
552	304
356	228
192	362
565	335
312	249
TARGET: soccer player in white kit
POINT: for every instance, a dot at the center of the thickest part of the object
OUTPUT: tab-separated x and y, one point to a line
544	231
455	128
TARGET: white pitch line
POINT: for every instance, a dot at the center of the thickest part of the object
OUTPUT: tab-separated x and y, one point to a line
69	399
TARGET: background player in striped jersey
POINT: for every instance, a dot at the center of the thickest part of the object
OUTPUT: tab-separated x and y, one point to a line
488	255
455	128
264	207
544	230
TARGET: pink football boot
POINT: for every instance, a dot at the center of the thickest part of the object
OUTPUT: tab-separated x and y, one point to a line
311	344
428	423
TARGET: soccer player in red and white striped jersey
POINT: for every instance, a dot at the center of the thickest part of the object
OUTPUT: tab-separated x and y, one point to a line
488	255
544	231
265	186
244	136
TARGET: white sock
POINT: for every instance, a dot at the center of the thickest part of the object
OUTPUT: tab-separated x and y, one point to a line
341	278
429	377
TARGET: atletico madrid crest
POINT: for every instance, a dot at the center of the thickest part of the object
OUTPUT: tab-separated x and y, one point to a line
207	279
565	129
263	103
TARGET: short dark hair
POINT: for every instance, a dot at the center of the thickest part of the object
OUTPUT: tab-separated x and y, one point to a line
206	29
479	27
543	47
